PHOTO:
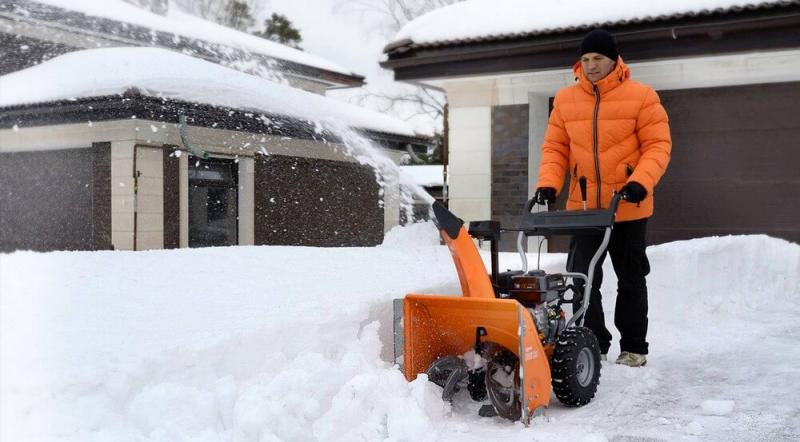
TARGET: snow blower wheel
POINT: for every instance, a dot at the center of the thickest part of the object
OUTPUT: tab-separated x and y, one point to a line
576	366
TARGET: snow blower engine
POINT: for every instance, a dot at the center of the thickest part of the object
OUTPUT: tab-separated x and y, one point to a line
506	339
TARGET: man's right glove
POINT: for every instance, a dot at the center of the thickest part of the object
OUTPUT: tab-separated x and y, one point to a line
633	192
545	195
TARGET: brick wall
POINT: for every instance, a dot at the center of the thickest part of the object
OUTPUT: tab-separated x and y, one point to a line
509	167
314	202
172	198
56	199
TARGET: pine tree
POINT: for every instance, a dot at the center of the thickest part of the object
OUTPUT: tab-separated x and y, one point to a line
280	29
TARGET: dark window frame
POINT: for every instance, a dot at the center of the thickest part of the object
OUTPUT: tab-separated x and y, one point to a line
233	184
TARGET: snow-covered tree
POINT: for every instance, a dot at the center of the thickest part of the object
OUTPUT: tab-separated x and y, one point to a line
280	29
237	14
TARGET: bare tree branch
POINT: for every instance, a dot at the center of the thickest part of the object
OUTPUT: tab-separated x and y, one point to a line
392	14
388	17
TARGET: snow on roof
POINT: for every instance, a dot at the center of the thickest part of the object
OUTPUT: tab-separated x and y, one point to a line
425	176
187	25
166	74
480	19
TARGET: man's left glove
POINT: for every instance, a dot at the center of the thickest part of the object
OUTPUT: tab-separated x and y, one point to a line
633	192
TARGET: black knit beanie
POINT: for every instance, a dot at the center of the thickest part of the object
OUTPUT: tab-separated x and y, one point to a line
601	42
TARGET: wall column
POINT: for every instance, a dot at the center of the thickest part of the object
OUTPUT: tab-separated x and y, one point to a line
122	197
391	198
469	171
183	179
246	201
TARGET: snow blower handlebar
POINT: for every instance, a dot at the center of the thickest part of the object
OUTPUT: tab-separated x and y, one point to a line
581	222
573	222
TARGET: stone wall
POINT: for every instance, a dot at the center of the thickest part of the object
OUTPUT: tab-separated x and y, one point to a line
313	202
509	162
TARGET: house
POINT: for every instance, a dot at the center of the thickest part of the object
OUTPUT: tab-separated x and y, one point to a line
146	148
727	72
35	31
95	155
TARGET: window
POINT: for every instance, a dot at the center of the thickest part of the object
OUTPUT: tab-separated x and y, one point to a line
213	202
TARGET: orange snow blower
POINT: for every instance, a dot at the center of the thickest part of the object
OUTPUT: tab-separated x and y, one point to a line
506	339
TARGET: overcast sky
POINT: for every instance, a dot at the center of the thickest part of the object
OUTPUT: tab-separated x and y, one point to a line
352	42
337	36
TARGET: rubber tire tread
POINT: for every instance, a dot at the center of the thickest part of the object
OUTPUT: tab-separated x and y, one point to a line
564	370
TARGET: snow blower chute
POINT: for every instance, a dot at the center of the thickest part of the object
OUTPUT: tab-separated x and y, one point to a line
506	339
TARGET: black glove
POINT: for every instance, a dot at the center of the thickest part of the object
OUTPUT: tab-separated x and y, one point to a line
633	192
545	195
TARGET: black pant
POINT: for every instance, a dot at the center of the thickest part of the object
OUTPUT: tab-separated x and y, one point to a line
627	250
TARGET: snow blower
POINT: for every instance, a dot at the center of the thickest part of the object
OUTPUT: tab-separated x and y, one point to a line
506	338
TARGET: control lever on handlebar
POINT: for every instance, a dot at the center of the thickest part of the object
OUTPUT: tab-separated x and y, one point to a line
582	182
613	206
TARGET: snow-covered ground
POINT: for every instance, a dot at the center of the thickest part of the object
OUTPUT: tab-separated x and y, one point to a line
292	343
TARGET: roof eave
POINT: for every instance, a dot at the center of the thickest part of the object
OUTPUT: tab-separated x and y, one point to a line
134	105
642	41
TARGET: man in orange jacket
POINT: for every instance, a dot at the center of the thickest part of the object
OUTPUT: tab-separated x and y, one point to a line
614	133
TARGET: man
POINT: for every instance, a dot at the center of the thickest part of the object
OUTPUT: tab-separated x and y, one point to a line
614	133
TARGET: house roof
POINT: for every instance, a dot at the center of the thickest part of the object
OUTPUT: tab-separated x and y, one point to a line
467	22
125	24
113	83
524	39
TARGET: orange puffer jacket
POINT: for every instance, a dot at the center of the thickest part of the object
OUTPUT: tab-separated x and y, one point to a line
616	133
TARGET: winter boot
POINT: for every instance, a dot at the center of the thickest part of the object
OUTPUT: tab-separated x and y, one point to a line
632	359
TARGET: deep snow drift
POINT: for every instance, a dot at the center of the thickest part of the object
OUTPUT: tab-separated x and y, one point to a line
292	343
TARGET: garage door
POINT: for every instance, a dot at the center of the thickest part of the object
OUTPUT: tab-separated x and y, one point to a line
735	165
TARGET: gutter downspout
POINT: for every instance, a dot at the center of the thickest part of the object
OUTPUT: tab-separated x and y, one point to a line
414	158
185	139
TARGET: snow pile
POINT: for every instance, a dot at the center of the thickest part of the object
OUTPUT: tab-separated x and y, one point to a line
412	236
162	73
247	343
764	272
180	23
293	343
467	20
